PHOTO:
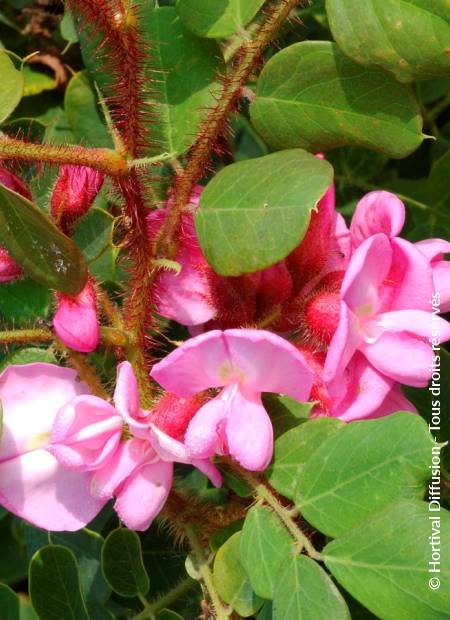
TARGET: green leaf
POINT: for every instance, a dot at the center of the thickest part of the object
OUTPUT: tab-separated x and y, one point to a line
122	563
304	591
36	244
67	27
23	301
9	603
167	614
83	113
383	562
285	412
36	82
362	468
55	586
220	536
218	19
310	95
254	213
409	38
293	449
13	560
11	86
182	71
29	355
230	579
264	545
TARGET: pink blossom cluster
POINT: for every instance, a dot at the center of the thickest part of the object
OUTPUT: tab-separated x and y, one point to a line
351	314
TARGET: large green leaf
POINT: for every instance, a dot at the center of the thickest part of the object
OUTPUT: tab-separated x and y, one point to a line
230	579
35	243
254	213
264	545
362	468
55	585
294	448
310	95
11	86
122	563
383	562
182	72
9	603
84	114
217	19
305	592
23	301
410	38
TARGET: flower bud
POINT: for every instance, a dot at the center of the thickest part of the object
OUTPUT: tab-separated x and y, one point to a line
76	322
9	270
73	194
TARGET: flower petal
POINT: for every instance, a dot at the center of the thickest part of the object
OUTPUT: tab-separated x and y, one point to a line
143	495
402	357
265	362
417	322
203	436
249	432
126	394
31	396
168	448
377	212
195	366
36	488
85	433
367	269
126	459
343	345
209	469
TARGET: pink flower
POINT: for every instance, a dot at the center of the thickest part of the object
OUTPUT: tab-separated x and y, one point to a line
33	485
76	321
74	193
183	295
244	363
384	312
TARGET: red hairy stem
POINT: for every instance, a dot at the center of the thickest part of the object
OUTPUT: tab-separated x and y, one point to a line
104	160
214	122
122	55
137	313
25	336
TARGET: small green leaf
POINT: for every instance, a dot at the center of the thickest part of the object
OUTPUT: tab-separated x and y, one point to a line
230	579
36	244
55	586
9	603
183	71
218	19
29	355
383	562
254	213
36	82
264	545
310	95
167	614
84	114
409	38
11	86
285	412
304	591
294	448
67	27
362	468
122	563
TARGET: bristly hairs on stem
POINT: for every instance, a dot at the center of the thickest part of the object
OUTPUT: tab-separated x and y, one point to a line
114	27
214	122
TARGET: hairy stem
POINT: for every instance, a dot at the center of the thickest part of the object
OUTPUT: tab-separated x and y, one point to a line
85	370
25	336
286	515
214	122
104	160
154	607
203	568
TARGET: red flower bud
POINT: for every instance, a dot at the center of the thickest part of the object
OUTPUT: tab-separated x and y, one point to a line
76	321
11	181
74	193
173	414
